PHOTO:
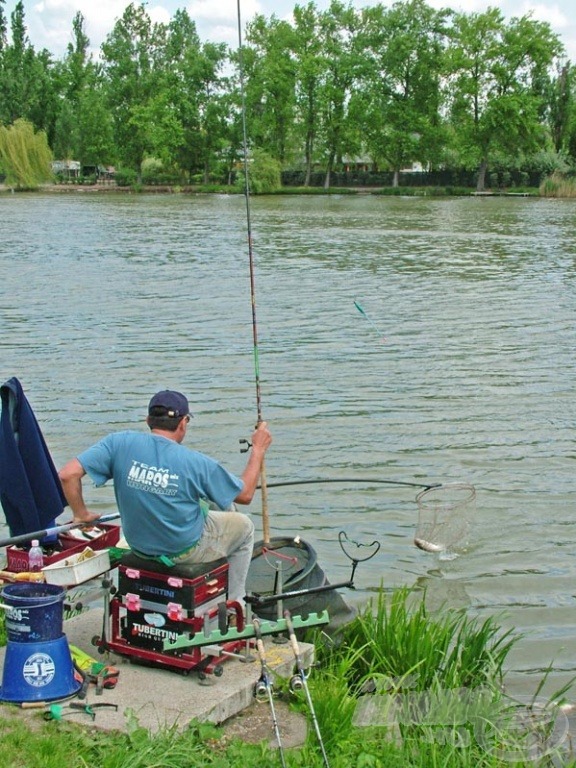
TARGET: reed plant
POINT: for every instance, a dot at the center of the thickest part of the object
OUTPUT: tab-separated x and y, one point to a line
558	185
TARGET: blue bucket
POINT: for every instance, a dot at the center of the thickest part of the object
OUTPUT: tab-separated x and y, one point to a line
36	612
38	672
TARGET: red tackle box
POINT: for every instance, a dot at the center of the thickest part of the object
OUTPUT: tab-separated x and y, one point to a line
17	557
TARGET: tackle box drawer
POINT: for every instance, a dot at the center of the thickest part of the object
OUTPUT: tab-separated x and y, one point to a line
164	588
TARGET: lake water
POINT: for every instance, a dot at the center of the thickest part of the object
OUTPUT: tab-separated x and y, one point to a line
107	298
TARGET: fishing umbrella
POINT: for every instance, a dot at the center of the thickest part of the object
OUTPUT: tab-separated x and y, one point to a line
30	491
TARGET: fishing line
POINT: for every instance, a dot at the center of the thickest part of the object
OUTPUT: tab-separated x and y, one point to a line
263	486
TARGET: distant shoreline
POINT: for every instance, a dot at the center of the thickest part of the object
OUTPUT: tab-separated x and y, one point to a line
95	189
91	189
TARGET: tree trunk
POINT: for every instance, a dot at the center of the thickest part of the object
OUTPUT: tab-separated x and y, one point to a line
308	155
481	183
329	167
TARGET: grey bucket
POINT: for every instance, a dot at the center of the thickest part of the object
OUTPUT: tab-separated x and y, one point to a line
298	567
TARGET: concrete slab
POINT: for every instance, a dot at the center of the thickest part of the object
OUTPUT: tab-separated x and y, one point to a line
158	698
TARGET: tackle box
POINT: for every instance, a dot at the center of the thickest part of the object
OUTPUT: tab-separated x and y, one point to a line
17	557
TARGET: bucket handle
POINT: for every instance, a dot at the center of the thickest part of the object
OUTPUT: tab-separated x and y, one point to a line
6	607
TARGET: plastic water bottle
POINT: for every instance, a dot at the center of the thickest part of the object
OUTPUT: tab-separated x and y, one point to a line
35	556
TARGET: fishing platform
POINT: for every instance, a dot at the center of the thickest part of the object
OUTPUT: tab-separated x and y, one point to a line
156	699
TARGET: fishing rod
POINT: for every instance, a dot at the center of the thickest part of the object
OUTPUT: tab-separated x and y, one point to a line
263	688
263	485
24	537
299	681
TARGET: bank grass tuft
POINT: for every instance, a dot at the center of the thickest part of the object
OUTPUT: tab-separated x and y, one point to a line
395	638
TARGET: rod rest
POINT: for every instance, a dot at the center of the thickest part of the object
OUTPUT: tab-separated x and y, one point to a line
186	570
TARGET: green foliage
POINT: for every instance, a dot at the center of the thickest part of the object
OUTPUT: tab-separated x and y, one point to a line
95	132
155	174
26	82
271	84
152	168
25	155
388	84
494	71
264	174
65	139
397	109
126	177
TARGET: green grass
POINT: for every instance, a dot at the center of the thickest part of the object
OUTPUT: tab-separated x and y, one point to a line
399	688
395	639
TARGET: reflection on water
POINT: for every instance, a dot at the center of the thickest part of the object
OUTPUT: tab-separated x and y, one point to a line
106	299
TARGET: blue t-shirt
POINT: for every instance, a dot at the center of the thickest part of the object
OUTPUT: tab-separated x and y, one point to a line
158	485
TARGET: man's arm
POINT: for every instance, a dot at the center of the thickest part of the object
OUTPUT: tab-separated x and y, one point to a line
261	440
71	476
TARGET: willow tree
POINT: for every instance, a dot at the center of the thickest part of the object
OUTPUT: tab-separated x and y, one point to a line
25	156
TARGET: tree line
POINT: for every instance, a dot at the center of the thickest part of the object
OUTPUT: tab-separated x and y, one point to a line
382	88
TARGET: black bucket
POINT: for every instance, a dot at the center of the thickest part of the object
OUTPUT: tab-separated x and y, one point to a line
294	563
36	612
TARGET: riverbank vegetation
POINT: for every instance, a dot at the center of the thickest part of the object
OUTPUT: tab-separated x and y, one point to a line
558	185
401	688
406	95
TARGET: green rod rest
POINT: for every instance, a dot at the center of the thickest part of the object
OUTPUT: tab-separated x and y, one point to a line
266	628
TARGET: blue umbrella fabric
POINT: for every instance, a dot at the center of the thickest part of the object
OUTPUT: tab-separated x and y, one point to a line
30	491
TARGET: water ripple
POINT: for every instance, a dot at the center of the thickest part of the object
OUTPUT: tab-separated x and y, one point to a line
106	299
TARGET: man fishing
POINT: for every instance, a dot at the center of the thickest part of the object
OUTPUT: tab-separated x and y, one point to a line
163	491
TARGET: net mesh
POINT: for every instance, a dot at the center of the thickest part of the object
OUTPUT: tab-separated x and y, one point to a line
445	515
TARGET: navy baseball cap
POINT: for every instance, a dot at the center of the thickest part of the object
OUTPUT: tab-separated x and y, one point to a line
169	403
